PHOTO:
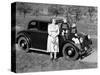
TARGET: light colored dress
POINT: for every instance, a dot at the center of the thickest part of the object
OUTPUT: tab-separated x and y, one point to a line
53	42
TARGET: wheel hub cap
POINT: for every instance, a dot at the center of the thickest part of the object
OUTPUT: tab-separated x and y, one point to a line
23	44
69	52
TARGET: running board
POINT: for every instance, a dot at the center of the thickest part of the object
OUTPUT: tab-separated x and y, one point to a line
38	50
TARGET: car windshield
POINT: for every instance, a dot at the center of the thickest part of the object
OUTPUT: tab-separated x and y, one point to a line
65	26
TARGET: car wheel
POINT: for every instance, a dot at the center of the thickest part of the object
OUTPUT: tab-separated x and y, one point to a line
70	52
23	43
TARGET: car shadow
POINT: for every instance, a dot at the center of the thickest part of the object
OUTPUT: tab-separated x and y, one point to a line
38	52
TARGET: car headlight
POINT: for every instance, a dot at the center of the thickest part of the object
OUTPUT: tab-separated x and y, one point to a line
81	40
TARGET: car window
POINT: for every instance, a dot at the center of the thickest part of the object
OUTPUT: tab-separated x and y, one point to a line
32	25
43	26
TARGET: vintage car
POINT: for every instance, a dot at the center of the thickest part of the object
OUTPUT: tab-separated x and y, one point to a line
35	38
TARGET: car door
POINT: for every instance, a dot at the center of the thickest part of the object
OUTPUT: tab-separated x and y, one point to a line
34	34
43	27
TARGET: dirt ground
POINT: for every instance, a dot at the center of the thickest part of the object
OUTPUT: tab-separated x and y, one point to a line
35	62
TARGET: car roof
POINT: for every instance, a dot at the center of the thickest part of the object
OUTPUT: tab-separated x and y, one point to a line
45	20
41	21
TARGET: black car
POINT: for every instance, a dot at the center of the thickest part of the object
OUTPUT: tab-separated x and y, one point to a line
35	38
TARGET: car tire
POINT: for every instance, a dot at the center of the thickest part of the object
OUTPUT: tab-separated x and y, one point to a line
23	43
70	52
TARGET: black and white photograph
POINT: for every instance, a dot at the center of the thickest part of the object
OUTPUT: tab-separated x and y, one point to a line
53	37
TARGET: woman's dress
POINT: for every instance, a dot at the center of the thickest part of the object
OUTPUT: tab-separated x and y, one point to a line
53	41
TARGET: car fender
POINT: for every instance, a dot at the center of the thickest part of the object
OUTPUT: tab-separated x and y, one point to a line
71	42
24	34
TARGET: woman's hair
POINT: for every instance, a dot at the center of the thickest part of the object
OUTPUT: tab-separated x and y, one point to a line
52	19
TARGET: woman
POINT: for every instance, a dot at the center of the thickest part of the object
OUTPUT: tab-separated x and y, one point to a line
53	43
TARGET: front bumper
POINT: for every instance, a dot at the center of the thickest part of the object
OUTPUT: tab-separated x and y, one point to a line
85	53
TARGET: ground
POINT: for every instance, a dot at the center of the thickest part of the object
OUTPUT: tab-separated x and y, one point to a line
35	62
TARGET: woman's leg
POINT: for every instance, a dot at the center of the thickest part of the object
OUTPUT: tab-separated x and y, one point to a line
55	55
51	55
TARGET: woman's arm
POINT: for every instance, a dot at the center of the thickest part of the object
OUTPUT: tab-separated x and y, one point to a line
57	30
49	30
